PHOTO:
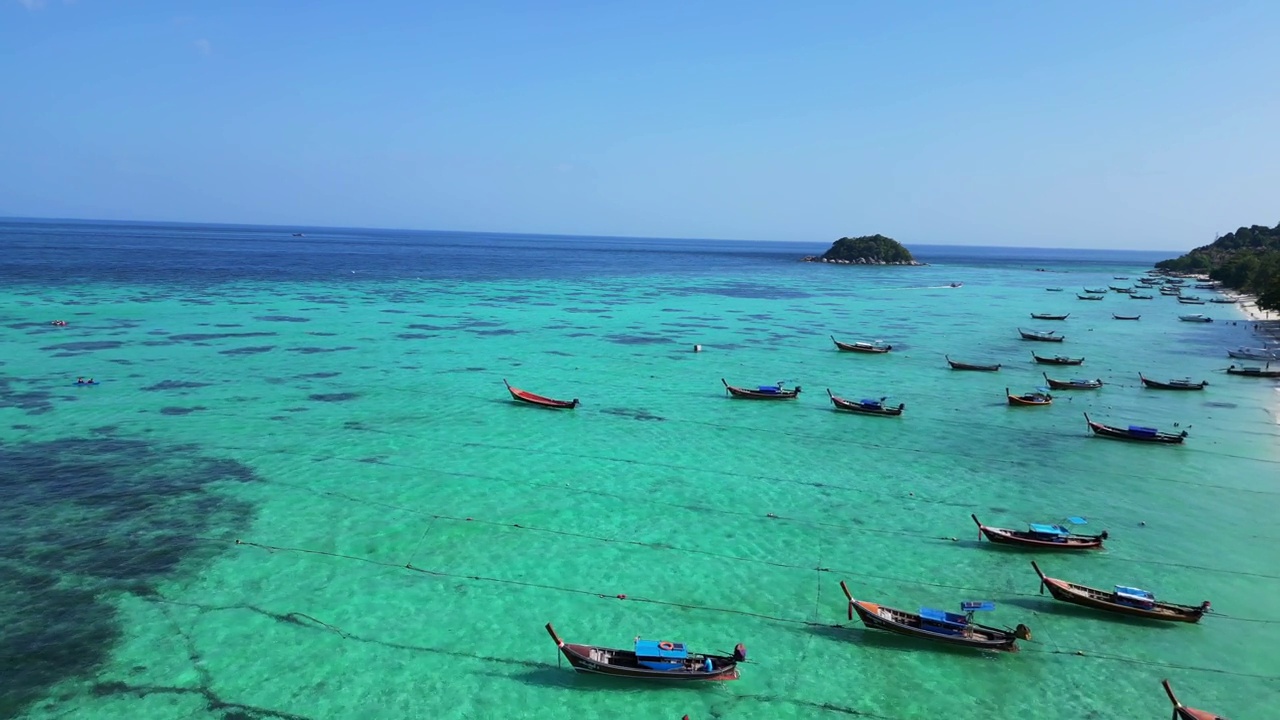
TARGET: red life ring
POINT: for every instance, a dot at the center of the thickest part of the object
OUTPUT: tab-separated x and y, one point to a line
664	645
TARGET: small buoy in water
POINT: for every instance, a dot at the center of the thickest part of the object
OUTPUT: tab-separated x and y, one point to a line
697	348
771	515
911	494
1080	653
955	540
622	596
1142	523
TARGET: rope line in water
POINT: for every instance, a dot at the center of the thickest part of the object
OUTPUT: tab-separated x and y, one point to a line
699	508
523	583
854	528
689	606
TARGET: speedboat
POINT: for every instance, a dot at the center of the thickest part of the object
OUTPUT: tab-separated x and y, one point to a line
1248	353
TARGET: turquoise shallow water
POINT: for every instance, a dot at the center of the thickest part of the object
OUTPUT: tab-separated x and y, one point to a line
407	530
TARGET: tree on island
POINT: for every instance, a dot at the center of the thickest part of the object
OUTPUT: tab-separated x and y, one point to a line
868	249
1247	260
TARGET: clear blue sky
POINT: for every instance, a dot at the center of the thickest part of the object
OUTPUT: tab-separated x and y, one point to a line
1138	124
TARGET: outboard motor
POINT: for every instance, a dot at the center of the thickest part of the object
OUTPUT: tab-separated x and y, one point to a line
740	653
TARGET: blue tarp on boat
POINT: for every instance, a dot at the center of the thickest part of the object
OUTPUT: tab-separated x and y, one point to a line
943	617
653	649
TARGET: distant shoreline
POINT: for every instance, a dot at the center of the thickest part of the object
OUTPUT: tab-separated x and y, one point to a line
310	230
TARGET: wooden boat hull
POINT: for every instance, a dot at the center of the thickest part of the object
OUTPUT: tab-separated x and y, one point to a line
1034	316
1035	337
746	394
1115	433
879	617
975	368
1028	400
1068	385
1057	360
1253	372
862	347
1182	712
1089	297
1022	539
539	400
1094	598
621	663
850	406
1126	317
1157	385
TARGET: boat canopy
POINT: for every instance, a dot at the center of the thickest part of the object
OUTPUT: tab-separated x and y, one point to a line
1139	430
653	649
869	402
975	605
1048	529
769	388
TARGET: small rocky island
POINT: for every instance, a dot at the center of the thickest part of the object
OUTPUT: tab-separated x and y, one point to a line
865	250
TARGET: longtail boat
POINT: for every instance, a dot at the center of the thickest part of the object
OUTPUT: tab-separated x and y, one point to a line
762	392
1222	301
1123	600
1182	712
866	406
533	399
1195	318
1045	316
1046	336
1038	397
1053	289
1126	317
966	366
1057	360
1172	384
1072	384
1089	297
1135	433
1095	291
940	625
1266	372
1137	296
1042	536
1190	301
651	660
862	347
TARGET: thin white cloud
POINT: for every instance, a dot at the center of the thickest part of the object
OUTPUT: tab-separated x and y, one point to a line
32	4
204	47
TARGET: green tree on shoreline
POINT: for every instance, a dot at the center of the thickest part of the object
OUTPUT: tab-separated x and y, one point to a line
1247	260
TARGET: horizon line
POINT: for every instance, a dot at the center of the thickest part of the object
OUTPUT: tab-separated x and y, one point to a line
296	228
